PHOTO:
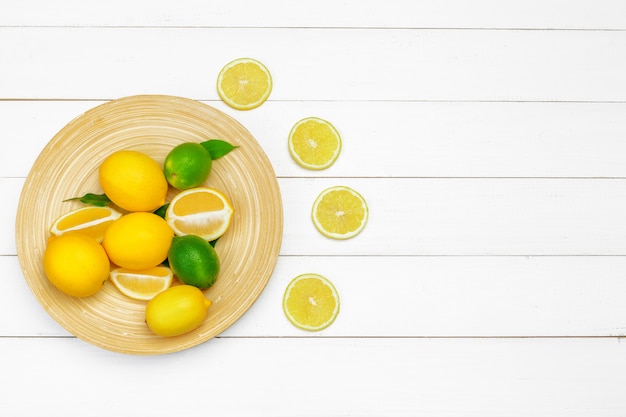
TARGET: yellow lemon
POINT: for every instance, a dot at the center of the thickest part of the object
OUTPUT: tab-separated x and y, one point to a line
177	310
133	181
138	240
76	264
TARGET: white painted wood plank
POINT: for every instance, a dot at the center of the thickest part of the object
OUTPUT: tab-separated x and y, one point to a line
317	64
413	216
393	139
454	296
320	377
460	139
563	14
411	296
466	217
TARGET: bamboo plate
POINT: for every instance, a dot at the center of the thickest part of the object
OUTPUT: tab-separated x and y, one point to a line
68	167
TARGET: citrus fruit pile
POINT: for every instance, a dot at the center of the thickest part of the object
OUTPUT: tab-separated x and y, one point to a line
152	250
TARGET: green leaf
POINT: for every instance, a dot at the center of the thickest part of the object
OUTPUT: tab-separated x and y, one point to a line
217	147
161	210
99	200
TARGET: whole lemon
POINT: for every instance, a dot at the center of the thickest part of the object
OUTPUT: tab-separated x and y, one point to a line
194	261
138	240
133	181
177	310
76	264
187	165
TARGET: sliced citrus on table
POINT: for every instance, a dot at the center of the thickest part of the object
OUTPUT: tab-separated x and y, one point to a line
142	284
91	221
340	212
314	143
201	211
244	83
311	302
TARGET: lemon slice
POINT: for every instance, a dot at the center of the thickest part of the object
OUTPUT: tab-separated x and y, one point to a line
314	143
311	302
142	284
91	221
201	211
340	212
244	83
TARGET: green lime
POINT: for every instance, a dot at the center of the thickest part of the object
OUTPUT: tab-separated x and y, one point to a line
187	165
194	261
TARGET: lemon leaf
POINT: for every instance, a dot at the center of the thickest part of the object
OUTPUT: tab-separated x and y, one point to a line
99	200
217	147
161	210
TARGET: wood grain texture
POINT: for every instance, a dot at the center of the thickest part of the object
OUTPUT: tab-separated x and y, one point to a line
391	139
370	377
350	64
460	217
391	296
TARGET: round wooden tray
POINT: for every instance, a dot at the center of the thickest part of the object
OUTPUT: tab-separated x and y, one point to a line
68	167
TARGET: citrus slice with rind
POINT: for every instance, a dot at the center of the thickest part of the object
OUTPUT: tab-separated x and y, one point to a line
142	284
340	212
314	143
201	211
91	221
311	302
244	83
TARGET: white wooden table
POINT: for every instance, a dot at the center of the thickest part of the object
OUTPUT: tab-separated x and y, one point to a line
489	139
